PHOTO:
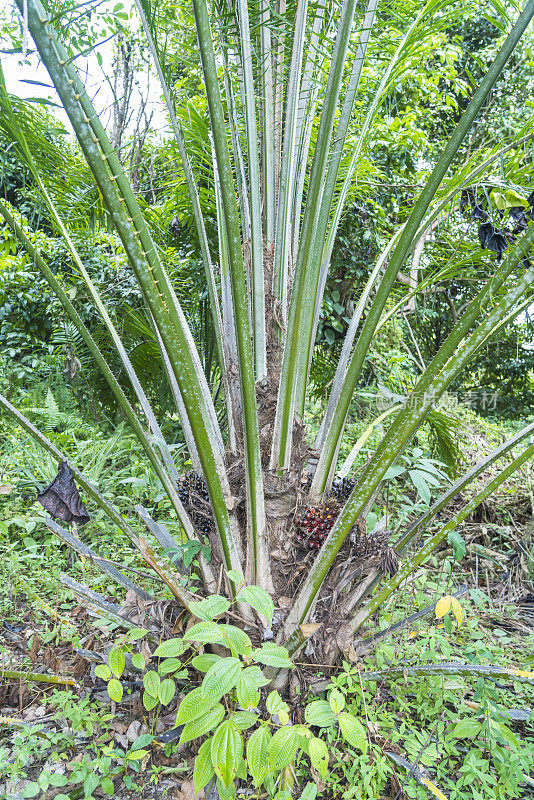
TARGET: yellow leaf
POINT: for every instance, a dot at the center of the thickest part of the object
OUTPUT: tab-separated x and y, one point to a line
457	610
443	605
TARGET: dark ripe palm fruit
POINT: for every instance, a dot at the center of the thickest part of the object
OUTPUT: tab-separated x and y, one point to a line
314	525
342	489
194	495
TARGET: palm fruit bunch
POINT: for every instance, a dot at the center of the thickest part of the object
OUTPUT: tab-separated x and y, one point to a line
314	525
342	489
195	498
374	547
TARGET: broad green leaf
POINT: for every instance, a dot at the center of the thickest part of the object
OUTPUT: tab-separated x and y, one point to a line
58	780
210	608
419	480
248	686
107	786
203	770
259	599
273	656
171	648
226	792
221	678
466	729
116	662
103	671
235	576
206	632
136	633
310	792
169	665
236	639
138	661
320	714
136	755
318	752
243	720
193	706
142	741
202	725
31	789
394	472
205	661
283	747
275	705
149	701
115	690
337	701
166	691
353	731
226	750
258	754
151	682
458	544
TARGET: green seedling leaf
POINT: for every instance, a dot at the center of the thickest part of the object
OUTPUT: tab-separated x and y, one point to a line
149	701
283	747
205	632
172	648
337	701
226	752
318	752
271	655
235	576
116	662
310	792
203	770
115	690
103	671
275	705
142	741
151	682
243	720
169	665
458	544
166	691
138	661
205	661
221	678
259	599
193	706
320	714
353	731
136	755
210	608
106	786
136	633
236	639
466	729
31	789
202	725
248	685
258	754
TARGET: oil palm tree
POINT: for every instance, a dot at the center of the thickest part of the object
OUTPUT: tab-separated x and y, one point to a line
289	127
